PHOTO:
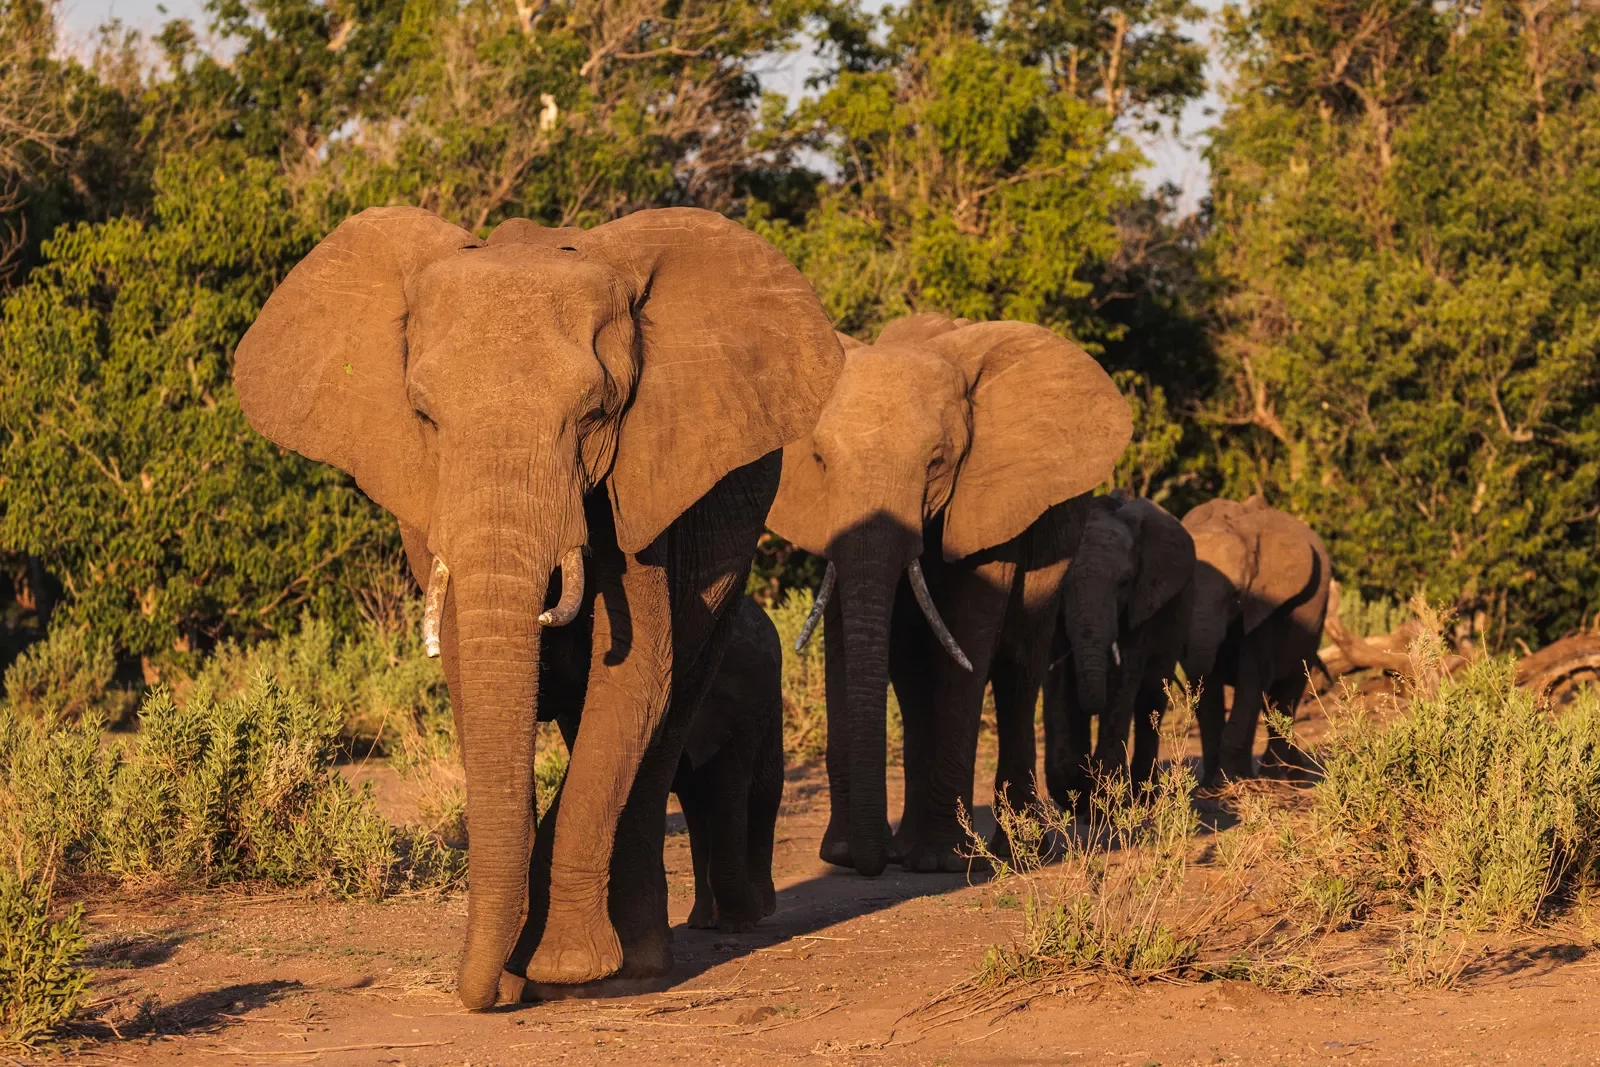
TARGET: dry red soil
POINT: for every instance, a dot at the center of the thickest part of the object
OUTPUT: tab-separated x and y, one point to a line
838	975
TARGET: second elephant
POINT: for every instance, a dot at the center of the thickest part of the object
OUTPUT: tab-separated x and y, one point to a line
1126	605
945	482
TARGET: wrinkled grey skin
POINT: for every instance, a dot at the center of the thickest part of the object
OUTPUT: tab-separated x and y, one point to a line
730	778
621	390
1131	583
1260	599
969	449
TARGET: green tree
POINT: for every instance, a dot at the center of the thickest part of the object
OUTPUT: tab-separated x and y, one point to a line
980	160
126	463
1405	227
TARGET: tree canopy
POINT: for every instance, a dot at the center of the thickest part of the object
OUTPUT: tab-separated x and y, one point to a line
1383	318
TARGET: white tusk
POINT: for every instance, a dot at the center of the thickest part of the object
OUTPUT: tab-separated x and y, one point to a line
829	578
1116	654
433	607
566	608
919	589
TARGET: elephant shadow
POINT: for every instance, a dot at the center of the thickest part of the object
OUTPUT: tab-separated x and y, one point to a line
805	908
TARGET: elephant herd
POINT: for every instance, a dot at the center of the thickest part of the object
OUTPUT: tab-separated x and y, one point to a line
583	433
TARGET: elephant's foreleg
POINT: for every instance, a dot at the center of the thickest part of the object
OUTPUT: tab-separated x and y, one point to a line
911	646
765	798
706	554
1237	756
1211	711
972	601
1021	658
703	914
627	701
1149	706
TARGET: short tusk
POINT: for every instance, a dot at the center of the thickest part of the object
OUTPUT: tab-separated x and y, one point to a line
433	607
1116	654
919	588
571	591
829	578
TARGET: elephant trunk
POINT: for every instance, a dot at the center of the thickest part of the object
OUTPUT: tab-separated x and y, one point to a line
1089	662
501	550
867	601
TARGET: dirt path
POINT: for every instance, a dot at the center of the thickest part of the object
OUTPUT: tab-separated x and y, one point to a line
830	978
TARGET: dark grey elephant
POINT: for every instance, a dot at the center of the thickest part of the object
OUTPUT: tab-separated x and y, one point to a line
730	778
945	482
1126	606
1260	598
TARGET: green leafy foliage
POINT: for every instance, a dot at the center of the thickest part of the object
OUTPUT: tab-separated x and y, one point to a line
41	984
210	792
1404	219
1478	804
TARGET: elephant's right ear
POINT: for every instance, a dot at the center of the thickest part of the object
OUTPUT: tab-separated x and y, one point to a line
799	512
322	369
1166	558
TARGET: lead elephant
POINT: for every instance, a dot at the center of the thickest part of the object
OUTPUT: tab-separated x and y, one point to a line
608	401
1125	613
945	482
1260	599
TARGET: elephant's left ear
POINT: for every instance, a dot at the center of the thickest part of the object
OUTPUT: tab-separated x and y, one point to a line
1048	424
737	359
1165	557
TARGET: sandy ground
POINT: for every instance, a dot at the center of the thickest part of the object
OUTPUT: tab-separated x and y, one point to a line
836	976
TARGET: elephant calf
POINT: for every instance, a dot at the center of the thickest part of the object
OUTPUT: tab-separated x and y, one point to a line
730	778
1126	605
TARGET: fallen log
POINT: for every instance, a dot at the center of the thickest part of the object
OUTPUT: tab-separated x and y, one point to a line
1547	669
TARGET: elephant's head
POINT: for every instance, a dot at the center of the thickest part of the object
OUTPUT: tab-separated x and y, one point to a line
1251	562
1134	558
966	431
480	391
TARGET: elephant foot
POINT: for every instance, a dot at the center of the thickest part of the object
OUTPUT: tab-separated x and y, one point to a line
1282	760
703	916
939	859
769	898
836	846
577	947
649	956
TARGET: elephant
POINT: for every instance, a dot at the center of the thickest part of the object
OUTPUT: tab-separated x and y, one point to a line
946	482
1260	598
730	778
568	425
1126	603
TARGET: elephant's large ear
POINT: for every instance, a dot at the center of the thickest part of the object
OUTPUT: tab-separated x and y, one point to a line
1047	424
1286	566
738	358
1166	558
799	512
322	369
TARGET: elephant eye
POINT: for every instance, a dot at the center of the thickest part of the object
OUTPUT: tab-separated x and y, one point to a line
822	464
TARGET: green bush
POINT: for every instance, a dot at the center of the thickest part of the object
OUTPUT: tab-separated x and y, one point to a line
374	673
212	791
69	673
41	984
1477	803
805	695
